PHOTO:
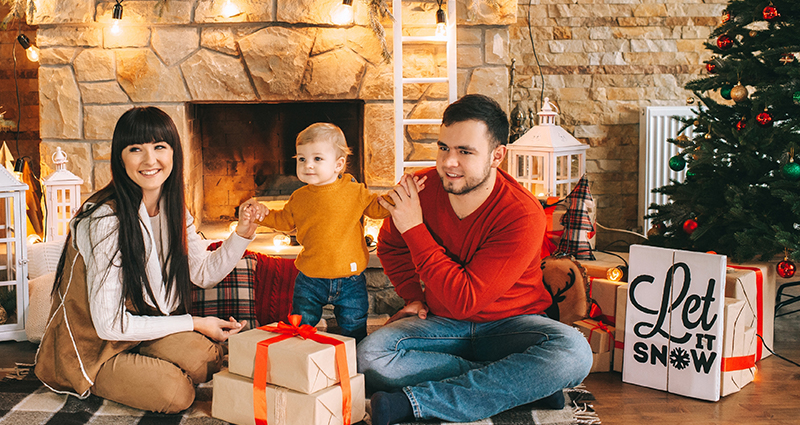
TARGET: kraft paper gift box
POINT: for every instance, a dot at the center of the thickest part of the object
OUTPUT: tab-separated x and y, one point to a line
738	348
601	362
295	363
233	402
743	283
604	293
619	329
599	339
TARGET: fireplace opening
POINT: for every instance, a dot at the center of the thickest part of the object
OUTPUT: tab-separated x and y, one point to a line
248	149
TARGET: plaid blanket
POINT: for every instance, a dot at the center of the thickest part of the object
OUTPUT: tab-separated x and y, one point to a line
260	292
25	401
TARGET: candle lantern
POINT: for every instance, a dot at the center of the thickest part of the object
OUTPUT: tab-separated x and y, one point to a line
13	257
547	160
62	197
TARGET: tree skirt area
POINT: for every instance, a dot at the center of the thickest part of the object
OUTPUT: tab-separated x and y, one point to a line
25	401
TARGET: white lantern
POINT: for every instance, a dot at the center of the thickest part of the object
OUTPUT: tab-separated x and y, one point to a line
62	197
547	160
13	257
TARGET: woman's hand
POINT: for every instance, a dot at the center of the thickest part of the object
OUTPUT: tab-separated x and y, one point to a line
250	212
217	329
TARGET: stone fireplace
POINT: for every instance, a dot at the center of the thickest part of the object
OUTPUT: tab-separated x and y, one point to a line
187	58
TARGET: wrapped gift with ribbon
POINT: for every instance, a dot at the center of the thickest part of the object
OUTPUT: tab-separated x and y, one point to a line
604	294
599	335
755	283
738	348
233	403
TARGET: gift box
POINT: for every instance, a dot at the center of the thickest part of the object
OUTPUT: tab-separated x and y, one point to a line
604	293
755	283
599	335
619	329
619	353
233	402
601	362
299	364
738	348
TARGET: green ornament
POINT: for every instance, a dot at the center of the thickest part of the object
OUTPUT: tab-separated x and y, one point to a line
796	97
725	91
791	171
690	173
677	163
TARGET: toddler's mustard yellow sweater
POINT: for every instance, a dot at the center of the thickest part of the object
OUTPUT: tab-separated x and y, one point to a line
329	226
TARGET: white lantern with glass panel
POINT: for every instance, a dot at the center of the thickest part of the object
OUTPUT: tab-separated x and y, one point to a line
13	257
547	160
62	197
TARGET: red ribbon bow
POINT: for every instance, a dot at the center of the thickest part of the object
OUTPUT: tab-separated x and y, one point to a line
602	326
261	368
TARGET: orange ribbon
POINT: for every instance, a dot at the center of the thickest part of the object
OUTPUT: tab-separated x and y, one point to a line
730	364
261	367
759	301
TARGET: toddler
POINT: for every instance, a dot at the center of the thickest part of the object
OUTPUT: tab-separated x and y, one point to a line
327	214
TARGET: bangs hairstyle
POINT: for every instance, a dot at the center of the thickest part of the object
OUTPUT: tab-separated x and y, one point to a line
143	126
325	132
479	108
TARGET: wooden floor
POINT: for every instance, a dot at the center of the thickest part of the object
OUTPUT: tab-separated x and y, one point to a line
774	398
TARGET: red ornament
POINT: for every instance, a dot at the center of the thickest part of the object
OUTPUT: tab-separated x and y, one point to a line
689	226
770	13
724	42
726	16
711	68
764	119
785	268
741	124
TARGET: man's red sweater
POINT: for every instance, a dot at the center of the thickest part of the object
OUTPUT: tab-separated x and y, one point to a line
484	267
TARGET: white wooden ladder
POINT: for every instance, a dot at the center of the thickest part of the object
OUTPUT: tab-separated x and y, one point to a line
400	119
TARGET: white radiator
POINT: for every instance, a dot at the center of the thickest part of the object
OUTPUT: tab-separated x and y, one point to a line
656	125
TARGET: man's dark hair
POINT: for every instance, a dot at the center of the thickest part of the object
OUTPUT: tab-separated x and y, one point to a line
480	108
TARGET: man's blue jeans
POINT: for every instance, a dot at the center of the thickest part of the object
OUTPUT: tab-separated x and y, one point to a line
347	294
461	371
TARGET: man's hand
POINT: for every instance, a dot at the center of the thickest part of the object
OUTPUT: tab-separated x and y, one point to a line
414	308
406	211
217	329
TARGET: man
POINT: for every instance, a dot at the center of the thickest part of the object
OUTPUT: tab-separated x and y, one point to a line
472	340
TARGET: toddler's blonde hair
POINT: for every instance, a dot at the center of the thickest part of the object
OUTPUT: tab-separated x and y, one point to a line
325	132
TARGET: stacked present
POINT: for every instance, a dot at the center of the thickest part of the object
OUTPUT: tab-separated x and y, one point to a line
289	374
601	327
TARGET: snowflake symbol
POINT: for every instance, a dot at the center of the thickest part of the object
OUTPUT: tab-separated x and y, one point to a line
679	358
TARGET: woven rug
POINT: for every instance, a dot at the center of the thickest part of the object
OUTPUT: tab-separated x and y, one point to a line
25	401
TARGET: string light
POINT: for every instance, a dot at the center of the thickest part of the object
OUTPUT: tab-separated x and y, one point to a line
229	9
31	51
343	13
116	16
617	274
441	21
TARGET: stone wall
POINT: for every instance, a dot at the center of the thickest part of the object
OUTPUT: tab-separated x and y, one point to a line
602	61
170	52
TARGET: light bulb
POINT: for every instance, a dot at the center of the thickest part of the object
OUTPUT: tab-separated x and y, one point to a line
229	9
32	53
115	28
441	23
343	13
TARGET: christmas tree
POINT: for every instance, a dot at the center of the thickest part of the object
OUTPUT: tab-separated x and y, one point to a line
741	195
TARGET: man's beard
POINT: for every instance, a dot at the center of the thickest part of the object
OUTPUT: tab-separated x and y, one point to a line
470	184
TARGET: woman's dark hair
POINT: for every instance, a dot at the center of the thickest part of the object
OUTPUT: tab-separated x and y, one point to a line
480	108
143	125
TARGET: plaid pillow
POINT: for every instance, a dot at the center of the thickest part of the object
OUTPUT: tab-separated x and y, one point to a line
232	297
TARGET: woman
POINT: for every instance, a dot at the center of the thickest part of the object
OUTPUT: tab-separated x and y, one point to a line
118	326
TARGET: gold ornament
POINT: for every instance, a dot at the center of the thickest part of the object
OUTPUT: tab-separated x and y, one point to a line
739	93
753	33
690	101
696	123
707	136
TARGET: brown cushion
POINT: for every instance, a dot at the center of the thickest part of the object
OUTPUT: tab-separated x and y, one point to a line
566	281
